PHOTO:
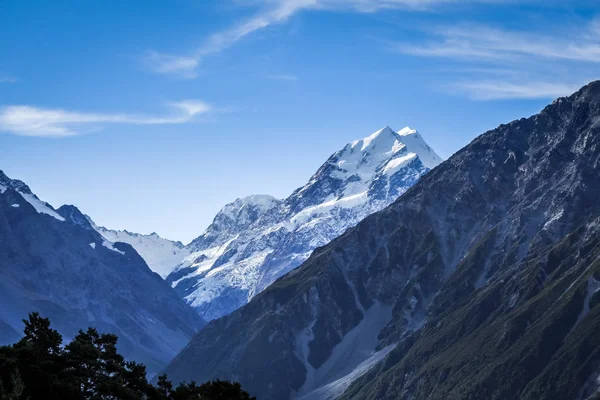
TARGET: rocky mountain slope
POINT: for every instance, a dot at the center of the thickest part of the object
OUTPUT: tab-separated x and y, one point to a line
161	254
481	281
257	239
54	262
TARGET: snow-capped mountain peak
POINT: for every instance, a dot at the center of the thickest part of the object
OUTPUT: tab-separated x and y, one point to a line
15	184
258	203
256	239
382	138
363	165
415	143
236	217
54	262
27	195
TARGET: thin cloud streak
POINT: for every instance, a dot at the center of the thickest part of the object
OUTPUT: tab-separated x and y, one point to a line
500	90
186	66
274	12
482	47
181	66
27	120
489	43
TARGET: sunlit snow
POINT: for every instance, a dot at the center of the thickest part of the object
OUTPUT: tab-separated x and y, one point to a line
257	239
161	255
40	206
110	246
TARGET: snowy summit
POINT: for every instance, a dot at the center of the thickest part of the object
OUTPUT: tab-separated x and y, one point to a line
257	239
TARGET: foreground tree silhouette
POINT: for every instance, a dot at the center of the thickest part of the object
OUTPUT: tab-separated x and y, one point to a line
89	367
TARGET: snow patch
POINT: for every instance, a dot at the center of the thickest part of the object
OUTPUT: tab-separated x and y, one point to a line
345	202
554	218
260	202
40	206
416	144
110	246
394	165
208	258
243	275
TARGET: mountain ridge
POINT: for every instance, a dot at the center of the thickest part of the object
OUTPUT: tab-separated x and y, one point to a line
159	253
488	264
55	263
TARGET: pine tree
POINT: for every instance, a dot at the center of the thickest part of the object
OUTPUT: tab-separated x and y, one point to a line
88	368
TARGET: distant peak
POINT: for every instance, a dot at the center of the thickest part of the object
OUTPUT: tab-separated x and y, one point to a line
385	131
386	142
257	199
260	202
407	131
383	138
587	93
14	184
73	214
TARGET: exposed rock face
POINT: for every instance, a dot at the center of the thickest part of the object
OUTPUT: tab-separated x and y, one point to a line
257	239
54	262
490	266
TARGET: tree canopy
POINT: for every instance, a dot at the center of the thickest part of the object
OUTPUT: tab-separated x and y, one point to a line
89	367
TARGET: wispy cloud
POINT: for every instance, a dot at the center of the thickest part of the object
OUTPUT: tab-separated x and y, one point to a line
185	66
273	12
181	66
482	42
34	121
574	51
500	90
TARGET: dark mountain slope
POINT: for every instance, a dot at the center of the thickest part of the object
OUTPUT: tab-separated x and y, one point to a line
54	262
531	333
476	283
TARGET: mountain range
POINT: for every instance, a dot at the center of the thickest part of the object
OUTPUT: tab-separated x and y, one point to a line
482	281
257	239
390	274
54	262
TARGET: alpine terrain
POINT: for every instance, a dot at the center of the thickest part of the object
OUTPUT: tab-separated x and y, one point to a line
54	262
255	240
160	254
482	281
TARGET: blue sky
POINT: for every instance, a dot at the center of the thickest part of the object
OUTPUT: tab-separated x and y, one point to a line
151	115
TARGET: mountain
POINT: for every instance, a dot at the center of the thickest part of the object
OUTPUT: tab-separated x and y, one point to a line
54	262
480	282
160	254
255	240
